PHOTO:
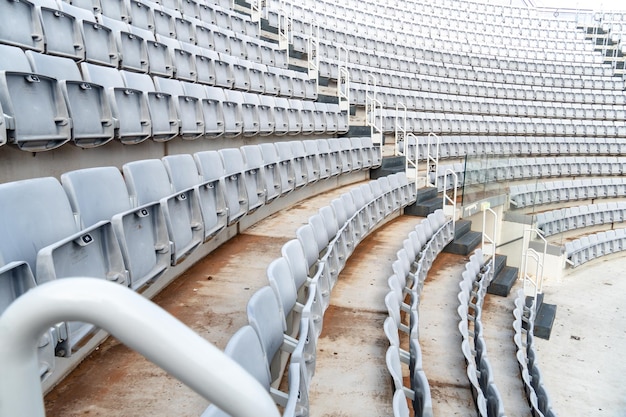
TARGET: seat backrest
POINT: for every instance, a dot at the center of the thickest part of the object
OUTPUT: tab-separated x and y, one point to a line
147	181
20	25
34	214
264	316
246	349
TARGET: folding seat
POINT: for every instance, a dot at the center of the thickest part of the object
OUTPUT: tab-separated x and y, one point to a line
129	106
16	278
224	71
92	121
305	111
211	168
20	25
182	58
132	48
141	231
311	279
63	35
246	349
337	162
162	108
256	74
290	167
268	171
282	163
164	24
141	14
298	84
188	108
231	107
285	84
189	8
281	116
41	231
210	99
18	87
312	158
264	315
148	182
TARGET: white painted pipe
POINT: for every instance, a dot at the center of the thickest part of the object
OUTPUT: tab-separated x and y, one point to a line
135	321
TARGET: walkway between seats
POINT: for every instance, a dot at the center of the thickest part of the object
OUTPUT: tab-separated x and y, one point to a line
440	339
351	378
210	297
497	318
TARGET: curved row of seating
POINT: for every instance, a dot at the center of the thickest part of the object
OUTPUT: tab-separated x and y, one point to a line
286	316
510	169
534	194
593	246
410	269
523	325
118	33
478	124
454	98
95	104
471	146
475	280
571	218
130	226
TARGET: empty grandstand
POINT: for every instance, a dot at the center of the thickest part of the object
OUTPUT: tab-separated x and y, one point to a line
318	208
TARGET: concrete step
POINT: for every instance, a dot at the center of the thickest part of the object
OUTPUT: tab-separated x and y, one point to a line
544	320
461	227
389	165
503	282
423	208
499	264
464	244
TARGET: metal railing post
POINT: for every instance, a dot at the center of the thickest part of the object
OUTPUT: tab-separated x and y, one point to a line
135	321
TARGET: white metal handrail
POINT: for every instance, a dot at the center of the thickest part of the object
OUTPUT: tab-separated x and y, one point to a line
136	322
400	129
343	88
284	30
451	209
410	164
256	9
312	51
491	240
432	162
534	284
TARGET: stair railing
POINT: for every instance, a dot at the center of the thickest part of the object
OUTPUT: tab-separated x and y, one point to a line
135	321
313	50
343	80
373	106
432	159
533	284
450	210
490	239
400	130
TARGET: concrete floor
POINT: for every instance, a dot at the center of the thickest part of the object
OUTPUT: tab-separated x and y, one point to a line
583	374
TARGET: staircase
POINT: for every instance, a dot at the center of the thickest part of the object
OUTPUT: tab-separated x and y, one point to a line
544	319
428	200
465	240
504	277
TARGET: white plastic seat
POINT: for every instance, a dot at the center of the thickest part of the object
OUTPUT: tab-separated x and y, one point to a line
132	48
211	168
282	163
246	349
252	176
18	88
297	154
162	108
148	182
211	99
20	25
129	106
141	231
183	173
87	103
188	108
63	34
264	315
269	171
41	231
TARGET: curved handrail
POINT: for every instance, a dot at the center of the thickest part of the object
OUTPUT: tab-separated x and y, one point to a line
135	321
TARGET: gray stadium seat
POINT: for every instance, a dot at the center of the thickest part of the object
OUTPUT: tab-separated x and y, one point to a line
188	108
211	99
211	167
20	25
252	176
100	194
147	181
269	171
130	108
183	173
87	103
